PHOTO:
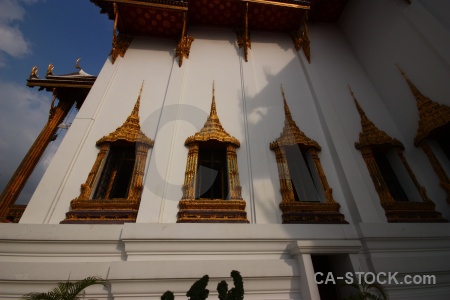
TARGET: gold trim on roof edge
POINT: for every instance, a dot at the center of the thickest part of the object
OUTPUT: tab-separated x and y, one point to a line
371	135
301	40
291	134
212	130
130	131
120	42
432	115
395	211
301	212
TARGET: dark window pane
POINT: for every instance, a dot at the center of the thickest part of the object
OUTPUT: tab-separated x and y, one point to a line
444	142
117	173
212	179
302	181
390	178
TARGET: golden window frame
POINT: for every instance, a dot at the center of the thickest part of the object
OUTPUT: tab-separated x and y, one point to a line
84	209
297	212
193	210
433	117
370	138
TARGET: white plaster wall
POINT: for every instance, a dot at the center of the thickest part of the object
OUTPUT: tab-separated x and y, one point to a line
410	36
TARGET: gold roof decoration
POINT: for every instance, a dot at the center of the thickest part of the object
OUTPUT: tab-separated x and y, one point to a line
212	130
291	134
432	115
130	130
371	135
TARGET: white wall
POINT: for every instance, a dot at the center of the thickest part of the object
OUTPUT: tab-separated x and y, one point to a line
176	101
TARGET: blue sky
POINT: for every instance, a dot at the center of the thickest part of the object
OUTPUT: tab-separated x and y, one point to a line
39	32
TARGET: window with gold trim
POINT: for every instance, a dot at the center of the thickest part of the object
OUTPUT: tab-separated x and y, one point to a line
211	190
112	191
305	194
380	152
433	134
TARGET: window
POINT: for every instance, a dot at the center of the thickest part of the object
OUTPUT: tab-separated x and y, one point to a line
112	191
212	175
390	178
305	194
304	186
212	190
401	195
117	173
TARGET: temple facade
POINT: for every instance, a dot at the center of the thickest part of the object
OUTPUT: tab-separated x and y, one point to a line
283	139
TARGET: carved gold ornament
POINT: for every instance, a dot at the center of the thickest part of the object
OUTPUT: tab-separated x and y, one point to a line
301	40
184	45
373	139
120	42
84	209
243	37
33	74
300	211
433	118
215	210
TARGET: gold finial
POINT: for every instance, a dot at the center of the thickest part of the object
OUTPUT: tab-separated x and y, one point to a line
420	98
287	112
361	112
33	74
50	70
135	112
213	112
77	66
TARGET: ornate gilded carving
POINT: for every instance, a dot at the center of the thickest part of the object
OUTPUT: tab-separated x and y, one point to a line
87	210
15	212
291	134
120	42
370	140
184	45
216	210
77	66
370	134
433	117
301	40
243	37
299	211
33	74
50	68
212	130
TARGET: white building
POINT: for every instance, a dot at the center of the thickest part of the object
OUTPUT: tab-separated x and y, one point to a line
380	205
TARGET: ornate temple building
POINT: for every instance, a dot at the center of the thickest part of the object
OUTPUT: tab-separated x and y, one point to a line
279	138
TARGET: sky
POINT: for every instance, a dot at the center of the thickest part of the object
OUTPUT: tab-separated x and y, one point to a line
37	33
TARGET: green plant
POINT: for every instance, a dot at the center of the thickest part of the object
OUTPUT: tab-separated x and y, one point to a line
198	290
236	293
168	295
66	290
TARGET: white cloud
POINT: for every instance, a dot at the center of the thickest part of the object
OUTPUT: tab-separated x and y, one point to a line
12	41
23	113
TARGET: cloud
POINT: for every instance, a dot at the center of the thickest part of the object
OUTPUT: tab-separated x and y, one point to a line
12	41
23	114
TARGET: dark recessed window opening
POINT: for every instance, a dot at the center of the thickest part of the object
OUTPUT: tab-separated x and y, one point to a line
390	178
212	176
117	173
302	179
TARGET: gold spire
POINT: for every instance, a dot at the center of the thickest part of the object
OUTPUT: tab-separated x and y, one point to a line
130	130
291	134
212	130
432	115
370	134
